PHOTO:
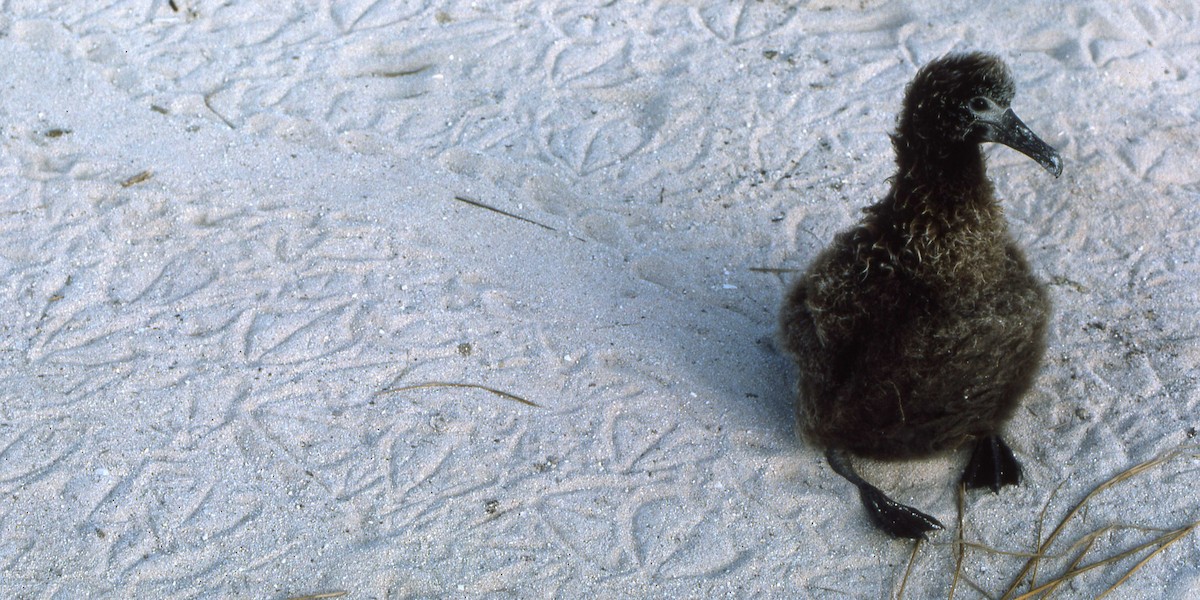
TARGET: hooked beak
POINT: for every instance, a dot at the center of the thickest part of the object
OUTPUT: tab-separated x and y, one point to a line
1005	128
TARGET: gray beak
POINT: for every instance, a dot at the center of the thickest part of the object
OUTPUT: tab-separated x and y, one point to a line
1005	128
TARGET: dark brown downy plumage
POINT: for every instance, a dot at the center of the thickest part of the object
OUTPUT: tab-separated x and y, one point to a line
920	329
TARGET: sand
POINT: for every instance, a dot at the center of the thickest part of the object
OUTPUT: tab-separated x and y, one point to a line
235	236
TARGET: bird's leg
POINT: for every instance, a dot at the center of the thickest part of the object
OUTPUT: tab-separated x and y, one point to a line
896	519
992	465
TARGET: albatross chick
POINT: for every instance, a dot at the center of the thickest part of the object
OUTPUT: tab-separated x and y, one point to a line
919	329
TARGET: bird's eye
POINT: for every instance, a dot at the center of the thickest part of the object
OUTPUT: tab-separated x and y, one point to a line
979	104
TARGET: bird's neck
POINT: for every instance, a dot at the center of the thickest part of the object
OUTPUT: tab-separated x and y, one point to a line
939	174
941	216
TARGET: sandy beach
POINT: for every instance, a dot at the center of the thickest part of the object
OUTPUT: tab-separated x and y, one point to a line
371	299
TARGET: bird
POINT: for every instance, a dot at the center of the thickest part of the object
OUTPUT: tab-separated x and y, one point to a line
920	328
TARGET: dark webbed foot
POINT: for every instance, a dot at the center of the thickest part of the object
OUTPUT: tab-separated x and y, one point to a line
898	520
992	465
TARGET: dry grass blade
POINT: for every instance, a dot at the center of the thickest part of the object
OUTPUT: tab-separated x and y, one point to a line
473	386
479	204
1120	477
960	548
1162	540
1042	529
999	552
1173	538
912	558
402	72
208	104
1088	542
136	179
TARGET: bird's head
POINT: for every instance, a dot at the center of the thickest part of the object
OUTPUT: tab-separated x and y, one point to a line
966	98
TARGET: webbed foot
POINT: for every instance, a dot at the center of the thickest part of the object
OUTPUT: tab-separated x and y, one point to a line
899	520
992	465
896	519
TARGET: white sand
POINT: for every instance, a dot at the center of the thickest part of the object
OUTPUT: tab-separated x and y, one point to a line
190	366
